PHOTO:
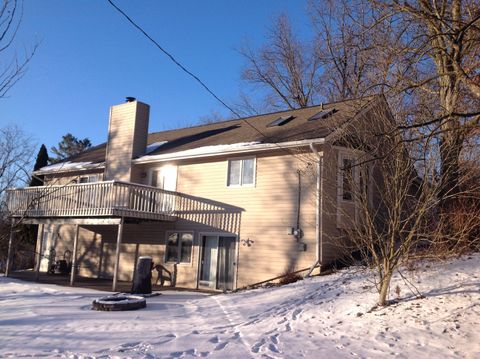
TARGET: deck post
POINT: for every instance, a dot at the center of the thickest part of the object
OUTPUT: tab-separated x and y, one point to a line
10	248
74	256
117	255
38	255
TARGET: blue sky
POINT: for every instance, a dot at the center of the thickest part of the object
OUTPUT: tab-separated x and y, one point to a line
90	58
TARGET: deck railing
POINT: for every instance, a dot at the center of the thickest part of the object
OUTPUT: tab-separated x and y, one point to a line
109	198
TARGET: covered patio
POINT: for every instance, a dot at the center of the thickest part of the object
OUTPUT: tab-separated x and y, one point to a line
89	283
111	203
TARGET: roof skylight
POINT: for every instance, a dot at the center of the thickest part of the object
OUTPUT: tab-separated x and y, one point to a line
280	121
322	114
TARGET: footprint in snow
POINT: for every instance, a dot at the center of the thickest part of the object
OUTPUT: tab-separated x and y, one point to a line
257	346
190	352
273	348
214	340
221	346
129	345
296	313
166	339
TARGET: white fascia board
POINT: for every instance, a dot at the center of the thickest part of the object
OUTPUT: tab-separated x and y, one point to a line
222	151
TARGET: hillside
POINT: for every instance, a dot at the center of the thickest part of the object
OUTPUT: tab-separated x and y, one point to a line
327	316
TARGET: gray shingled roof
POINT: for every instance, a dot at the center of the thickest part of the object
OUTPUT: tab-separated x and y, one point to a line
239	130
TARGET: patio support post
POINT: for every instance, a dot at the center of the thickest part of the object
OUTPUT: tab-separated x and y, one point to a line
10	248
38	255
74	256
117	255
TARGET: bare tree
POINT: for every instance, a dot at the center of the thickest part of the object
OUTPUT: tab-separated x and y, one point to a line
15	158
438	53
11	12
353	60
284	67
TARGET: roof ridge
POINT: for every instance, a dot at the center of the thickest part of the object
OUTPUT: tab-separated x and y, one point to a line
370	97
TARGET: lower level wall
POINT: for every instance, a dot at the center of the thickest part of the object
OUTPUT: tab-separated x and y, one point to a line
260	255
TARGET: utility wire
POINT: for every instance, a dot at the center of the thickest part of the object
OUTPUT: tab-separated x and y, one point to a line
175	61
195	77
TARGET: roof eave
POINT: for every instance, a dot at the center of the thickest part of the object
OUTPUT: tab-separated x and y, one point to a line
180	155
91	166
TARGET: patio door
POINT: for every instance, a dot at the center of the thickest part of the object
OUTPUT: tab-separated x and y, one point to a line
218	262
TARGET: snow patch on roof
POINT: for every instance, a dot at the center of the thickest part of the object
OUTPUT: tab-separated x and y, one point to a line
68	166
204	150
154	146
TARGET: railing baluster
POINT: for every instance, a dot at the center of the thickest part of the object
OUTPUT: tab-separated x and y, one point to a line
98	199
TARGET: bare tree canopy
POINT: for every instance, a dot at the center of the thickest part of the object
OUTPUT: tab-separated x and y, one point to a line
424	55
12	67
287	68
15	157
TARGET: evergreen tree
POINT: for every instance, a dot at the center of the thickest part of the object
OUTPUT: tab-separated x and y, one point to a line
69	146
42	161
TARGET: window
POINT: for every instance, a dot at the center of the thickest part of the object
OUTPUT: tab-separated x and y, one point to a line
322	114
281	121
347	178
241	172
179	247
89	178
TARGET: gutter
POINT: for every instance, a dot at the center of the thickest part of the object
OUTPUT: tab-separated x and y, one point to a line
210	151
319	211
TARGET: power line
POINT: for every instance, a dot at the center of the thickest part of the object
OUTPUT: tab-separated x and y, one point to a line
175	61
195	77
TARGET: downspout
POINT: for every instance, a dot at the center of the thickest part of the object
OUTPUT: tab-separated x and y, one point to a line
319	211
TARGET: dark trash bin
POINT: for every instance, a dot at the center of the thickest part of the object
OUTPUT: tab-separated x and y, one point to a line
142	278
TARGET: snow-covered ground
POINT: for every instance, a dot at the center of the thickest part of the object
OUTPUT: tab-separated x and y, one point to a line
325	317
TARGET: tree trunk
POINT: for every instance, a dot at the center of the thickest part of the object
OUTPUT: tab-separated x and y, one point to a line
450	152
384	286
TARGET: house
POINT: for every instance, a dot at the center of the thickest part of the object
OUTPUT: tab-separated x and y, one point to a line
221	205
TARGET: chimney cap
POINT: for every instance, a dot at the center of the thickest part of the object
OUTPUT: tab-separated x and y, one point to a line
130	99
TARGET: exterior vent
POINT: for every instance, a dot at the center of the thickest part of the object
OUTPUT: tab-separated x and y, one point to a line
281	121
322	114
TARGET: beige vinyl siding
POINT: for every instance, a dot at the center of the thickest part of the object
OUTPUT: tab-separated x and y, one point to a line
260	215
97	246
70	177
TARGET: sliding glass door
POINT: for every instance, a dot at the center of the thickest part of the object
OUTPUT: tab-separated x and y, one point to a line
218	262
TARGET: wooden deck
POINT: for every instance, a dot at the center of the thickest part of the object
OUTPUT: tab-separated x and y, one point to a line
90	200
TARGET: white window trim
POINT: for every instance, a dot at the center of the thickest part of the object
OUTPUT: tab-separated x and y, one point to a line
241	185
183	264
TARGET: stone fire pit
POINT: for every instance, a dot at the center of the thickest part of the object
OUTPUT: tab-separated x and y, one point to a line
119	302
